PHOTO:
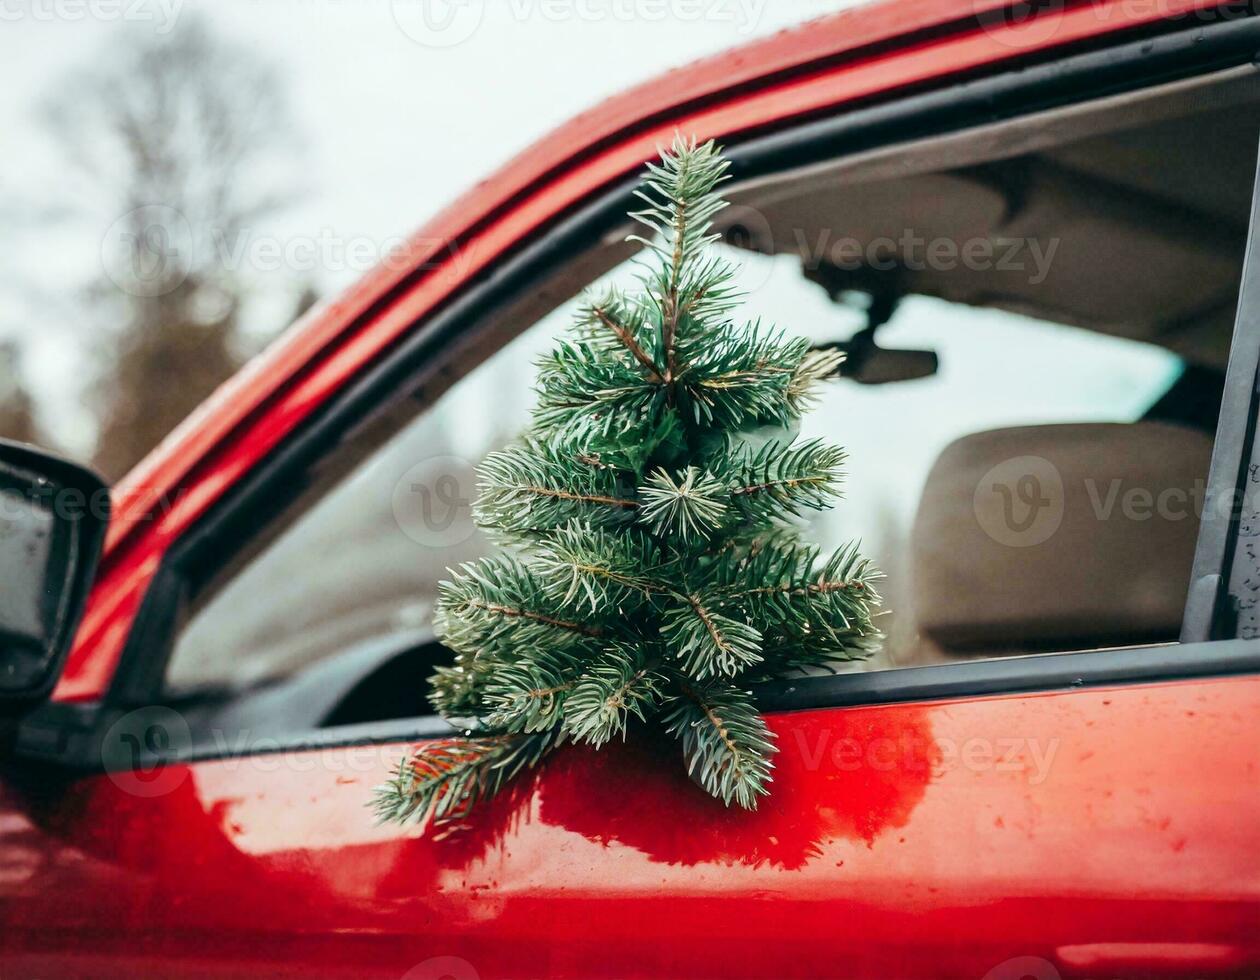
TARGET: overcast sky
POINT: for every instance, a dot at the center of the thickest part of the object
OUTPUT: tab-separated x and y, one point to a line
400	108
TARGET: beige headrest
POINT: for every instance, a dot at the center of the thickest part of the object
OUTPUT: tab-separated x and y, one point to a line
1058	536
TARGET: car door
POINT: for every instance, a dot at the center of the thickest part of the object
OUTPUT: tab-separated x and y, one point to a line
1077	813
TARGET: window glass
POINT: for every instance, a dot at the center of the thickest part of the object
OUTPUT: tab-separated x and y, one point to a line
364	562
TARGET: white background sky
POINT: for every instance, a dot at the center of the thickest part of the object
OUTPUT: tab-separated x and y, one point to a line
394	125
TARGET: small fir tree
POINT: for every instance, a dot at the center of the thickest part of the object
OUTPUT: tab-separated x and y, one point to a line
652	566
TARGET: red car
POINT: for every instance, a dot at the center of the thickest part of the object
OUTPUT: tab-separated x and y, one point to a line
1033	228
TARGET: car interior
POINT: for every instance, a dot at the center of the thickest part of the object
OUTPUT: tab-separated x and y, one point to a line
1150	219
1144	198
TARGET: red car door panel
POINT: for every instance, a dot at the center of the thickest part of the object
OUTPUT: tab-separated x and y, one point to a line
1093	832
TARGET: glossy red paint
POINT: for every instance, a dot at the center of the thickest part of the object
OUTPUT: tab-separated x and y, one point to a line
1061	835
860	55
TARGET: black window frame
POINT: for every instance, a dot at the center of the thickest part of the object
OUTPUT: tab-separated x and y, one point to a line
71	735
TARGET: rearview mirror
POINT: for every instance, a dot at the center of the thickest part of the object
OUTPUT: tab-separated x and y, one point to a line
53	517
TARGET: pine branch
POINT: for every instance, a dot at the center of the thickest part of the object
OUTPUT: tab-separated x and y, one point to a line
499	604
816	367
709	295
705	642
587	397
529	694
680	206
456	692
781	479
445	778
611	323
589	403
812	614
625	682
725	741
534	486
658	564
742	378
689	505
599	568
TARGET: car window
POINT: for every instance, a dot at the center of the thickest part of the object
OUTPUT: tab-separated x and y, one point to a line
364	562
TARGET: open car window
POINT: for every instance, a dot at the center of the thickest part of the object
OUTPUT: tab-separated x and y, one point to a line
365	561
1029	428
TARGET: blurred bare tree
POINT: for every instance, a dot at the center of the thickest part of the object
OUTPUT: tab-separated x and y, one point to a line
188	138
17	413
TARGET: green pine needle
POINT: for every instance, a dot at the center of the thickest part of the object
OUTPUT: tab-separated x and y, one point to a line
499	604
704	641
689	505
599	569
445	779
535	487
622	683
782	479
725	741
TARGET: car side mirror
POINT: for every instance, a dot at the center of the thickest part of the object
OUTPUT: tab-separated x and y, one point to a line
53	518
